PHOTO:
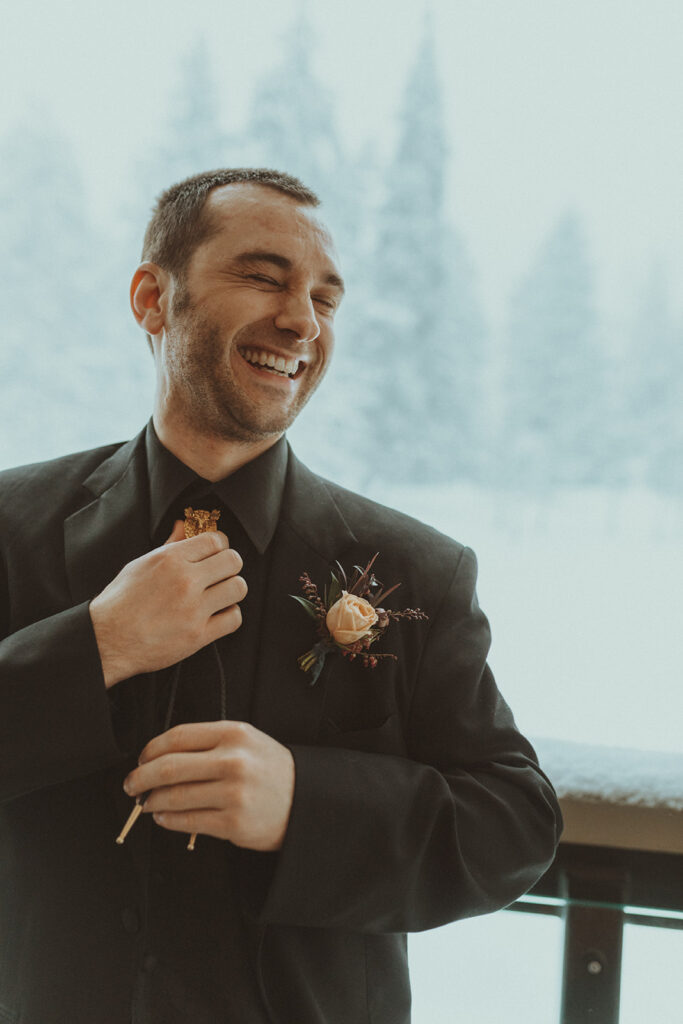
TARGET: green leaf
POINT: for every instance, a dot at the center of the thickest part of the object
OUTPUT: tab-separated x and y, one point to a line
335	592
342	575
317	668
310	608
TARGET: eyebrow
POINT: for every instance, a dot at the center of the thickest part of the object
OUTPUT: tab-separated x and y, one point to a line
278	260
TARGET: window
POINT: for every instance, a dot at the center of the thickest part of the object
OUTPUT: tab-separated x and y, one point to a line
504	182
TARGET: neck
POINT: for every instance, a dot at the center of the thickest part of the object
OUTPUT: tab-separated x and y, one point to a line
213	458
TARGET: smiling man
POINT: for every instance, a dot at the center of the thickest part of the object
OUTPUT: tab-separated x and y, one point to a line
144	667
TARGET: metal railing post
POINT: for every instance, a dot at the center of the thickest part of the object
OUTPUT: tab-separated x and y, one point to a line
594	925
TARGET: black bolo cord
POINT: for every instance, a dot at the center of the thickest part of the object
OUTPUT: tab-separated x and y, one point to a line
175	679
175	682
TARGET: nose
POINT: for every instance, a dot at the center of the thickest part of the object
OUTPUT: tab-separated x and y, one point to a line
297	315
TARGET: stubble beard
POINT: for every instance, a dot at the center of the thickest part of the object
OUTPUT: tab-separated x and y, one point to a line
201	381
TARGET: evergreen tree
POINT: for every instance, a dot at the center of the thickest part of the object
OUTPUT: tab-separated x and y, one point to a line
59	369
292	127
193	139
555	376
292	115
426	329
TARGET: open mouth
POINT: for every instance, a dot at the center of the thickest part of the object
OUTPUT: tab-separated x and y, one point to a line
279	366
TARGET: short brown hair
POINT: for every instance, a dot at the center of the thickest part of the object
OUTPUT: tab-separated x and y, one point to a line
179	224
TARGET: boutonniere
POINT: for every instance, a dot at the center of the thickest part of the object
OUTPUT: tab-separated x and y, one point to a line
349	617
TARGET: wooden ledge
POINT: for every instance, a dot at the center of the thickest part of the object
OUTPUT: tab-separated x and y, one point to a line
625	826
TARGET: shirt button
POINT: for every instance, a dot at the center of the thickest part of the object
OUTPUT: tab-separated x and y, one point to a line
130	920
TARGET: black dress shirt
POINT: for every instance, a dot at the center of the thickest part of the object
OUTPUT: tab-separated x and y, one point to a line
249	502
199	886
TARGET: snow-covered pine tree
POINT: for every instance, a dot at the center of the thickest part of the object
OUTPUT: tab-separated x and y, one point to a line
554	429
58	365
193	138
292	127
427	331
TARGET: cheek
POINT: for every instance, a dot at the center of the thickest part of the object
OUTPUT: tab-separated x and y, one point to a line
325	344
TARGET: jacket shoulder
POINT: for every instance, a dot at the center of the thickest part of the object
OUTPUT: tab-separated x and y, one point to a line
395	534
40	483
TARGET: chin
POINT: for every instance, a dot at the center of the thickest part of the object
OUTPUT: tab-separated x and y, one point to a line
264	425
250	431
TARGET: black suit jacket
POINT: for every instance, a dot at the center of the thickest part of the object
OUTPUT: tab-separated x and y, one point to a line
417	801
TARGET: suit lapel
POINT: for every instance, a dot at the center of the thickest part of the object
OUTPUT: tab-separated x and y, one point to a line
101	537
311	535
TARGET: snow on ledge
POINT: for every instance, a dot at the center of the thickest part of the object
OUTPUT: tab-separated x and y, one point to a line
614	775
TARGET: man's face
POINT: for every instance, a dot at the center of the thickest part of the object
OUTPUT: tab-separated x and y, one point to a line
249	332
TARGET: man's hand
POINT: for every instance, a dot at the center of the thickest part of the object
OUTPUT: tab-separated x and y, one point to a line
167	604
223	779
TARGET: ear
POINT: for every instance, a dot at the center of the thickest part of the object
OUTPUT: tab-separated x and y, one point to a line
148	297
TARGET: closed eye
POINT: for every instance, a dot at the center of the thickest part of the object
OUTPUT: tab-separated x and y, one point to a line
328	303
262	278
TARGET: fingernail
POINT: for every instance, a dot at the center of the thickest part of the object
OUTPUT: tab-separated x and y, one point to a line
127	786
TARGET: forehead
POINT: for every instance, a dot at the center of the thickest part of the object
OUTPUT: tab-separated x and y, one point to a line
255	217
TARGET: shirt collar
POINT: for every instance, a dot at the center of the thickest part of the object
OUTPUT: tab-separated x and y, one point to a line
253	493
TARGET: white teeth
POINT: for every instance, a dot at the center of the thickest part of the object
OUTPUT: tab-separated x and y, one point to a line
272	362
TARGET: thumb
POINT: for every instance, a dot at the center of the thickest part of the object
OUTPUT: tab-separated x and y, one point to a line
177	533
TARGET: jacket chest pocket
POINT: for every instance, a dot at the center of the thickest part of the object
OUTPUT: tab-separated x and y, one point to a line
361	708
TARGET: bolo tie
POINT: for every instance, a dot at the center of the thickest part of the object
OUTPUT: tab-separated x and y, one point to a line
196	521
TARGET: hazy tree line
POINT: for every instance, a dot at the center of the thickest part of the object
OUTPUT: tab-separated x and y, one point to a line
422	391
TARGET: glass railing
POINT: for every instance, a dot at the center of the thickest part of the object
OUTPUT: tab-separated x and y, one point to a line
620	909
599	940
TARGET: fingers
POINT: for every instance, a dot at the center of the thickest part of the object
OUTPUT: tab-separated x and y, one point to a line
204	545
177	533
223	623
189	796
186	756
197	549
174	780
204	822
194	736
221	566
224	594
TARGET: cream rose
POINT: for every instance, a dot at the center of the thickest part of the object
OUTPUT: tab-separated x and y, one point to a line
350	618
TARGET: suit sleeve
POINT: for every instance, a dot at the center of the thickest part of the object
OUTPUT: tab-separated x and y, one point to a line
463	825
55	719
